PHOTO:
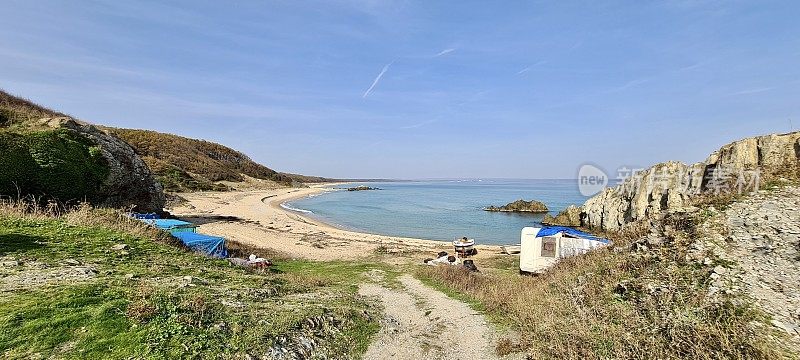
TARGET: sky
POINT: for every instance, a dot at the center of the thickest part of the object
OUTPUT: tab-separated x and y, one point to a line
418	89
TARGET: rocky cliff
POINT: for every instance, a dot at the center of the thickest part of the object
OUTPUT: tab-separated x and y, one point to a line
737	167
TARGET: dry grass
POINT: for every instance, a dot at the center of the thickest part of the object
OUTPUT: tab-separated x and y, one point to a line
84	214
184	164
17	111
618	303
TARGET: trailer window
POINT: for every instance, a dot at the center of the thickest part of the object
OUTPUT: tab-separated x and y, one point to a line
548	246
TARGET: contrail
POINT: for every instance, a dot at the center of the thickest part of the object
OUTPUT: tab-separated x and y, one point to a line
377	79
445	51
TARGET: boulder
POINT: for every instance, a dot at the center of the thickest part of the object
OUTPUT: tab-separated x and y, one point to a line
129	184
571	216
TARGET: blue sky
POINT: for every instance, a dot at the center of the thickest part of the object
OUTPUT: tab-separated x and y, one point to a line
427	89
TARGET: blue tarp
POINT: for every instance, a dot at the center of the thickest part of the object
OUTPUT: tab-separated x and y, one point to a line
167	224
552	230
145	216
209	245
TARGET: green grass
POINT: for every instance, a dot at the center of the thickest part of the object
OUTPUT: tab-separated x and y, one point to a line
228	313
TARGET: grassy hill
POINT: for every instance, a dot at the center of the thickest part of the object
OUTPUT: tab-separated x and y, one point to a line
184	164
53	157
16	112
179	163
94	284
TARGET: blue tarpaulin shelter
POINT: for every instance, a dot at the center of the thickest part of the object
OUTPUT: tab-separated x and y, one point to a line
209	245
171	225
552	230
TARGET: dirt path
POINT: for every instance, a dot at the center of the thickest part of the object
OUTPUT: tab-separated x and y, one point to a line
422	323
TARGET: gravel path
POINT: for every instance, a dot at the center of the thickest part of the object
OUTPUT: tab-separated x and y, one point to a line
422	323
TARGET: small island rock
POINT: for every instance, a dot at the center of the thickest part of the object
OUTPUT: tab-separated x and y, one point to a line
532	206
361	188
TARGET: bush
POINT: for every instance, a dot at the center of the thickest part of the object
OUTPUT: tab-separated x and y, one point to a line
57	164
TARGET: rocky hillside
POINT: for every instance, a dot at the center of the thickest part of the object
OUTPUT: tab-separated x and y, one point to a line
184	164
735	168
52	156
736	214
761	234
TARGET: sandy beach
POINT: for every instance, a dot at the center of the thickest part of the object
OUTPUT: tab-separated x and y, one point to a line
256	218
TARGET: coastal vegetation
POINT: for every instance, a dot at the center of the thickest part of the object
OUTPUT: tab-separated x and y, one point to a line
183	164
16	112
179	164
676	284
622	302
532	206
55	164
92	283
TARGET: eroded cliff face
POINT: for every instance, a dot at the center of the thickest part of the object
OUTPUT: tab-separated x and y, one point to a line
129	184
737	167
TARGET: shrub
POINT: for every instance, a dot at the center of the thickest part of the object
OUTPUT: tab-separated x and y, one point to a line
58	164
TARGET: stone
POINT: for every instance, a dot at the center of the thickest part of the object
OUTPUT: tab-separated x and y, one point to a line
782	326
571	216
193	281
719	269
120	247
10	263
72	262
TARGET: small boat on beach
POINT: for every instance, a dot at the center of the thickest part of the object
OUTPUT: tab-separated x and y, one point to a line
464	247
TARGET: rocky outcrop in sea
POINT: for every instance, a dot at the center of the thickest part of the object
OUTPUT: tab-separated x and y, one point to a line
532	206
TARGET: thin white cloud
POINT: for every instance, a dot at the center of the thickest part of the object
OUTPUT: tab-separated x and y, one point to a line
630	84
377	79
753	91
417	125
445	52
541	62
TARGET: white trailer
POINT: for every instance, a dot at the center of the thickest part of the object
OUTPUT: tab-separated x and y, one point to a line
540	248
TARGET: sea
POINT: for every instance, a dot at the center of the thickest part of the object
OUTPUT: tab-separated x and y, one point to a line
439	209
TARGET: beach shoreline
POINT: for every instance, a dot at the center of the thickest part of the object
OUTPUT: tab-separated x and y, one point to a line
256	218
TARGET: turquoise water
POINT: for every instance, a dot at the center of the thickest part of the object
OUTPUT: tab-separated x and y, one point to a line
440	210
